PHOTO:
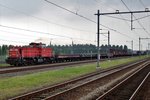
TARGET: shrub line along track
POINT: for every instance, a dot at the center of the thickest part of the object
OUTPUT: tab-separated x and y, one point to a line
55	90
53	65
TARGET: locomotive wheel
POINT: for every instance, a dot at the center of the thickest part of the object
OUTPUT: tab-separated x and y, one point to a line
16	64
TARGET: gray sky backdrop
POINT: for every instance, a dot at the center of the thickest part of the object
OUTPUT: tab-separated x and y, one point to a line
25	21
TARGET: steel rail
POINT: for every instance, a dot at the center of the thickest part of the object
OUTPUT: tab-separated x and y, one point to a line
106	94
134	95
51	88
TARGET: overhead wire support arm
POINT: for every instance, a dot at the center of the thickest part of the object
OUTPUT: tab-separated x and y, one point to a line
144	38
117	12
141	17
131	12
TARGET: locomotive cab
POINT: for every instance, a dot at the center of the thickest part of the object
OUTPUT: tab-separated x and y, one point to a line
14	55
15	52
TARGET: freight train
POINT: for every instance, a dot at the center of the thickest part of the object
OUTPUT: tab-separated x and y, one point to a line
38	53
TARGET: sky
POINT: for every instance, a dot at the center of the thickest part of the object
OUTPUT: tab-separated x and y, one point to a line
25	21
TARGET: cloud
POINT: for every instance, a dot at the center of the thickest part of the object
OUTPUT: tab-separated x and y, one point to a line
11	8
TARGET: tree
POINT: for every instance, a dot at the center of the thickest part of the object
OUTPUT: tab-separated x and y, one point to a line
125	48
4	49
121	47
83	48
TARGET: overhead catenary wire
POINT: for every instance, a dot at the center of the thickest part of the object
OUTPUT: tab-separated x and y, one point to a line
135	18
86	18
144	7
42	32
41	19
13	41
118	18
113	9
99	2
141	17
89	20
45	20
26	35
142	3
122	18
130	26
29	36
75	13
57	23
17	37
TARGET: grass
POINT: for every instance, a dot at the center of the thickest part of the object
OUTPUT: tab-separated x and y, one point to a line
4	65
107	64
19	84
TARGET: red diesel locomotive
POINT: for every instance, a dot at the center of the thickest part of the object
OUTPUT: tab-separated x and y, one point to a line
27	55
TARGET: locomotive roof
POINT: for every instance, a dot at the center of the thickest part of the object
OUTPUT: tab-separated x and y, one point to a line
33	43
37	44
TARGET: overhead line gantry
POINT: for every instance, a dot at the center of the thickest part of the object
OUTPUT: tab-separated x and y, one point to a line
114	13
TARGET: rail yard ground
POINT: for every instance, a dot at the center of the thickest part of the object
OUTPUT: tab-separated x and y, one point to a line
13	86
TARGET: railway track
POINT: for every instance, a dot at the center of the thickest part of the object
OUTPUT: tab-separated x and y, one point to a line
13	69
129	88
28	68
81	86
5	67
143	90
